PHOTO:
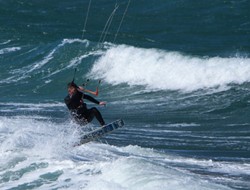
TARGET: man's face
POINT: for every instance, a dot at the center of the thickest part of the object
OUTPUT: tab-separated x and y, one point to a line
71	90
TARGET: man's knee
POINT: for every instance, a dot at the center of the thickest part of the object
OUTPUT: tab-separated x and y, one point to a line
94	110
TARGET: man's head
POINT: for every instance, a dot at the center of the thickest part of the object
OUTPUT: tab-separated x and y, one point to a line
72	88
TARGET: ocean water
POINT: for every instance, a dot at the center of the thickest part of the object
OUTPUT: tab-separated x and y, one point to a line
177	72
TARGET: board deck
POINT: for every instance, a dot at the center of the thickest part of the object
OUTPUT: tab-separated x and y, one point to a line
97	133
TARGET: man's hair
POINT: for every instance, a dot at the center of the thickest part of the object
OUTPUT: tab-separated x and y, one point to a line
72	84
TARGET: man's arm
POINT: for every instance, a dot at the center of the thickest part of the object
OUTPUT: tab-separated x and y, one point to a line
93	100
89	91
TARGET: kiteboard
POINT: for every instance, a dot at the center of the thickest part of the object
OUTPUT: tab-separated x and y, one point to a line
97	133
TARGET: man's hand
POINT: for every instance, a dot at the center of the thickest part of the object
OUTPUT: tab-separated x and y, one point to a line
102	103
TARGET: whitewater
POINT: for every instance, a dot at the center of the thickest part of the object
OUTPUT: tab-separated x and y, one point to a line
34	154
181	85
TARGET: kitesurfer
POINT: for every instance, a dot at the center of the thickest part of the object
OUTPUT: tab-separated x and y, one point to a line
77	107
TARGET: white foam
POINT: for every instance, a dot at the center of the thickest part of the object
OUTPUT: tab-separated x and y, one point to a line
6	42
141	168
28	143
40	105
12	106
163	70
8	50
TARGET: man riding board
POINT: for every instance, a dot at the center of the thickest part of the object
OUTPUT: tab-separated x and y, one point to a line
78	109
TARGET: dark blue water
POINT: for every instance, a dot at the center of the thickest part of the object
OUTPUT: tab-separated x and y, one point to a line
177	72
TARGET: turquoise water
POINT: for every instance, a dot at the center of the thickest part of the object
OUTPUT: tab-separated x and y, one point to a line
177	72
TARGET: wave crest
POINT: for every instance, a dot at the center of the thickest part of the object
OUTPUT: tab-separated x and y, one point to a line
162	70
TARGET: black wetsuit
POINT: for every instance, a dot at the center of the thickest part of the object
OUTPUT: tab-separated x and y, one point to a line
79	110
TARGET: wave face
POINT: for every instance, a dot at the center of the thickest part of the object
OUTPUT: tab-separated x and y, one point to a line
181	85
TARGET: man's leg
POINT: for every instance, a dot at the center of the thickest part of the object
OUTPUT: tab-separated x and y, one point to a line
94	112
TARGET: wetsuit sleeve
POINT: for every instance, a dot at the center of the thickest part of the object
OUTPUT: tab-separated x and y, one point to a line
90	99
